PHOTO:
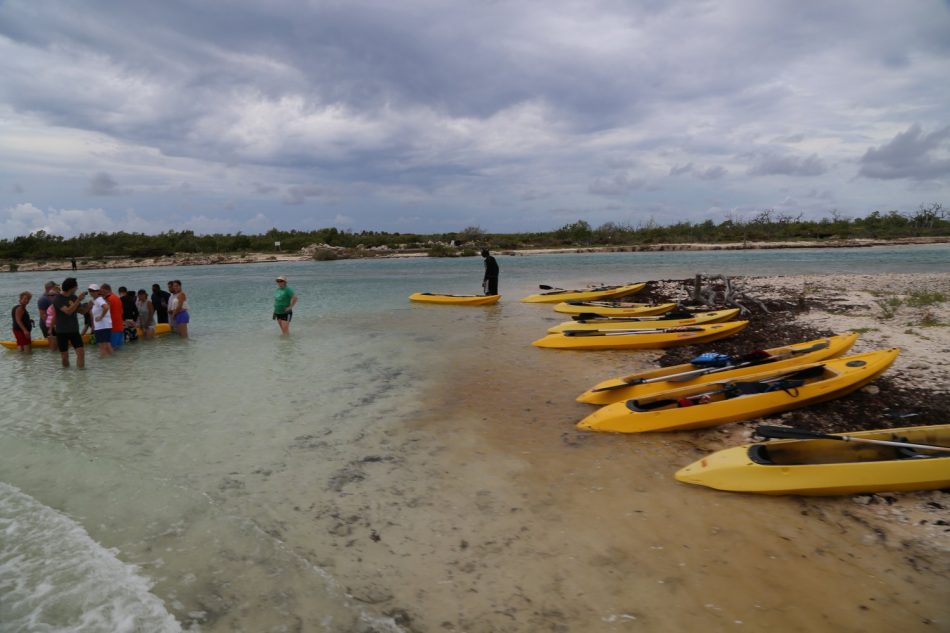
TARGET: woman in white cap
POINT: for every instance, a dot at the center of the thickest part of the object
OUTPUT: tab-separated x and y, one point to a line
101	321
284	301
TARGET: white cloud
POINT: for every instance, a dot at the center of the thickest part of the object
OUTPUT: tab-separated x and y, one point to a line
505	112
25	218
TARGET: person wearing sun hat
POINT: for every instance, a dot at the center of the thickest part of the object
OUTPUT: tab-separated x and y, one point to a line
284	301
101	320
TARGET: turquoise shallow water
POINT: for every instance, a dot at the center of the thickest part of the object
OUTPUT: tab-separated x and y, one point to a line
171	473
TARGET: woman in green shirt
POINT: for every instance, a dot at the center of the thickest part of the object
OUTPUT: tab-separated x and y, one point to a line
284	301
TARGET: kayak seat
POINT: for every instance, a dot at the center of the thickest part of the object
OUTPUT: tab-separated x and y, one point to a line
759	453
789	386
638	407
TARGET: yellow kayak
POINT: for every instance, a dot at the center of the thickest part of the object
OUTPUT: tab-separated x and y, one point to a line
761	394
829	467
160	328
644	383
602	292
640	339
645	322
456	300
613	308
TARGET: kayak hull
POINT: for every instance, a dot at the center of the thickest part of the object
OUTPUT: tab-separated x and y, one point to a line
603	308
711	404
607	292
632	386
456	300
645	322
827	467
640	339
160	329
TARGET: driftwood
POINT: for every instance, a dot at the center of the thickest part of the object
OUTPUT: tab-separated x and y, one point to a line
729	295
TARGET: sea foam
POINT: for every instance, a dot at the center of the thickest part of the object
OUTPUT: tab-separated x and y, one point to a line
54	577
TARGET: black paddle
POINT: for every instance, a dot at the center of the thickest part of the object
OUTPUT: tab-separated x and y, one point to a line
750	387
547	287
785	432
599	318
630	332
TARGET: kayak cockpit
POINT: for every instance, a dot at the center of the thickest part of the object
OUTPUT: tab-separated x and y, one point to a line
830	452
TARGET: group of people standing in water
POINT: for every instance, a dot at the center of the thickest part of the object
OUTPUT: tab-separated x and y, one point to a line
112	318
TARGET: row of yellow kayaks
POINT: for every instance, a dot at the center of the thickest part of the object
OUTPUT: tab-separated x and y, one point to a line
770	381
764	382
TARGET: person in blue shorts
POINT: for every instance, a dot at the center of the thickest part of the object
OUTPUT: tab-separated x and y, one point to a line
179	314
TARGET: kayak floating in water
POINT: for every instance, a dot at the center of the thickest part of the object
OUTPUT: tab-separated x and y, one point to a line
458	300
602	292
645	322
760	394
657	338
160	328
712	367
887	460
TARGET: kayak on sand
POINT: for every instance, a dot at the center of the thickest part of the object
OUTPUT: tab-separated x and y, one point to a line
646	322
601	292
823	466
603	308
657	338
712	367
761	394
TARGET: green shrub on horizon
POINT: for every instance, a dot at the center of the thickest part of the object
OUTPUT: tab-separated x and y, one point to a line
441	250
766	226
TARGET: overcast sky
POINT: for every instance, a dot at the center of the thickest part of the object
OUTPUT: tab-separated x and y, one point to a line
435	115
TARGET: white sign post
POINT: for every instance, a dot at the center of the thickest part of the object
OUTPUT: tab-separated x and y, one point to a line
277	245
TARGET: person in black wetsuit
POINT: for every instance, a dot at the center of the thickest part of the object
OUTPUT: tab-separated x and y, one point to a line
490	282
160	302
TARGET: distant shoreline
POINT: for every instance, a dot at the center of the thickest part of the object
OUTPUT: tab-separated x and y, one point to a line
188	259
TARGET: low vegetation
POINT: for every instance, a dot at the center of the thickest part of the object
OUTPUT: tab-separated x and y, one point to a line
767	225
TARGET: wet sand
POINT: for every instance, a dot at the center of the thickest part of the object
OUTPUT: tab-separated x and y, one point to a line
493	513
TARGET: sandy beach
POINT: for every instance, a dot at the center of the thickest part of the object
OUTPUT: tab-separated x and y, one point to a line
496	514
479	506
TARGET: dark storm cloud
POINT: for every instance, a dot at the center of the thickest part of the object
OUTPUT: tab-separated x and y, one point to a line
787	165
912	154
299	194
453	105
710	173
616	185
102	184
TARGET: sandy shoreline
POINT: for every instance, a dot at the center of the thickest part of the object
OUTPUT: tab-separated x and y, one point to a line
494	513
306	254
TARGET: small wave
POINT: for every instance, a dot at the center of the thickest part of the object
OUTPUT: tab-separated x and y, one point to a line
54	577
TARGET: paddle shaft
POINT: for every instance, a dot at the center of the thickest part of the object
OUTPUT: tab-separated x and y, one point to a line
686	375
778	432
730	385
